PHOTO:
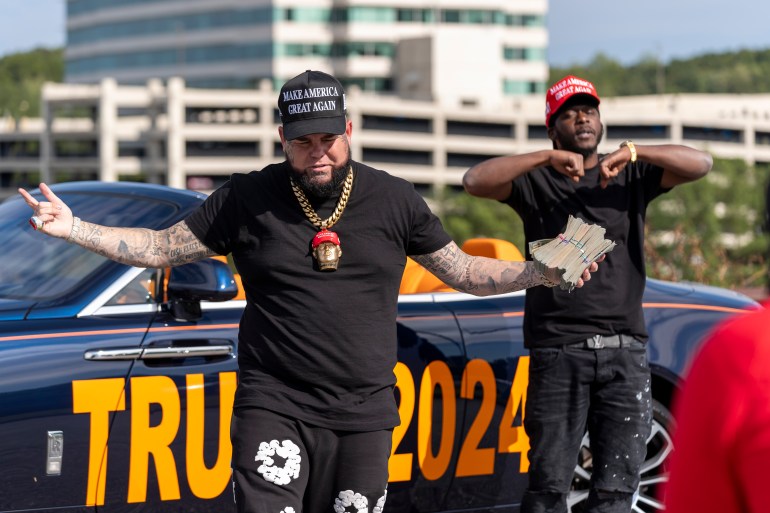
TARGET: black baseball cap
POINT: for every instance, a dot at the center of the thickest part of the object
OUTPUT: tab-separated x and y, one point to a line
312	103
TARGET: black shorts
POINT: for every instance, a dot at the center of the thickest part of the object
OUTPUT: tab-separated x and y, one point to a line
282	465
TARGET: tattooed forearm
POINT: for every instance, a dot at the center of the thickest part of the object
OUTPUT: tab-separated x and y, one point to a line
480	276
184	245
142	247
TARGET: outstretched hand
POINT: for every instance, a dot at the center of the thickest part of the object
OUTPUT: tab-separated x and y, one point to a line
54	214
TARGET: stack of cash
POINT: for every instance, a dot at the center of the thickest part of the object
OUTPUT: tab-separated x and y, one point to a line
562	260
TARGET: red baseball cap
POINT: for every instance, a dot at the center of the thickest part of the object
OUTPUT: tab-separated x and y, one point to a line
325	236
565	89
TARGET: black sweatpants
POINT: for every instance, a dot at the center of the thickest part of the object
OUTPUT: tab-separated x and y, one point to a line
282	465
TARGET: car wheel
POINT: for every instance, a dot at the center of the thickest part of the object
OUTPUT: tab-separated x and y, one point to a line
648	497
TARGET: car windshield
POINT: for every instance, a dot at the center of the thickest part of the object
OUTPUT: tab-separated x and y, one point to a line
38	267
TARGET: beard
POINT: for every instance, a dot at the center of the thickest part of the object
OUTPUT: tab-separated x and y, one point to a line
322	190
568	143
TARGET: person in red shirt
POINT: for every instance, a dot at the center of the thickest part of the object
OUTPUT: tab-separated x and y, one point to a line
721	461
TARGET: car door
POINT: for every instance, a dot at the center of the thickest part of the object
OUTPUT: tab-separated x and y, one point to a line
492	464
57	405
431	360
169	447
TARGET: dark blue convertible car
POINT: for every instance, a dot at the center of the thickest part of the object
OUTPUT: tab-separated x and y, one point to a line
116	383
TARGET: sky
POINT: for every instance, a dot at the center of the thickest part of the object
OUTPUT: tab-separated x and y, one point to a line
620	29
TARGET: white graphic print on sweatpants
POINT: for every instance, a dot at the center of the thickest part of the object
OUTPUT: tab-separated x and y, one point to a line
347	498
281	476
269	470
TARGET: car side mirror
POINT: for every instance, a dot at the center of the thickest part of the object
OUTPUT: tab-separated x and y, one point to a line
189	284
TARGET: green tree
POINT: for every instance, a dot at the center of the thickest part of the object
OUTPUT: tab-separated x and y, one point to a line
467	217
743	71
22	76
711	231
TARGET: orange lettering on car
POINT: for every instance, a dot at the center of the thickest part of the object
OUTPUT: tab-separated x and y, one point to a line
147	439
513	438
400	465
98	398
473	460
437	374
207	483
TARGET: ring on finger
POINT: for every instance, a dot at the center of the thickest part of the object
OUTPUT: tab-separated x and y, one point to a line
36	223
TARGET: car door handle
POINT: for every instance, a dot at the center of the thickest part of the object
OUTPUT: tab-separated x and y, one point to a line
151	353
186	352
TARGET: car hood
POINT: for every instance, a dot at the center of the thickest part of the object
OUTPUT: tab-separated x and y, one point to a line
14	309
665	291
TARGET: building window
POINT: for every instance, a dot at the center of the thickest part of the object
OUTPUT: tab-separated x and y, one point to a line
537	132
363	48
168	57
372	14
378	84
222	149
639	132
513	54
391	156
396	124
466	160
479	129
20	149
85	6
177	24
304	14
76	148
762	138
700	133
515	87
524	54
415	15
136	149
479	17
450	16
533	20
302	50
534	54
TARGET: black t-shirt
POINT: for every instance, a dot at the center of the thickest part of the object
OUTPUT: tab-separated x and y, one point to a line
319	346
611	303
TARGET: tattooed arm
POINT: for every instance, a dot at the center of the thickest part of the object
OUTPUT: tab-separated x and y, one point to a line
140	247
483	276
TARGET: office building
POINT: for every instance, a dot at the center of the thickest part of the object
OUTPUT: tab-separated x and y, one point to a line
454	52
195	138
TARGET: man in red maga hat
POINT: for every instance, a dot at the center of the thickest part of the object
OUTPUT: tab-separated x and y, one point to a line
588	367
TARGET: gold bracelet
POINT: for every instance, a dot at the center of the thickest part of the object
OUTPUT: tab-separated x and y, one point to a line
630	146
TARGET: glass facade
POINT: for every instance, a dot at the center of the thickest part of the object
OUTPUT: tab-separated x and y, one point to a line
524	54
233	18
210	20
170	57
345	50
182	39
75	7
517	87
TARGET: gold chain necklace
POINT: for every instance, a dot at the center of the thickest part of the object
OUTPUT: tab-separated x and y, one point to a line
326	244
341	203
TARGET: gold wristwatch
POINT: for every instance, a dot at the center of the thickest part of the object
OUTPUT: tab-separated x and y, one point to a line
630	145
